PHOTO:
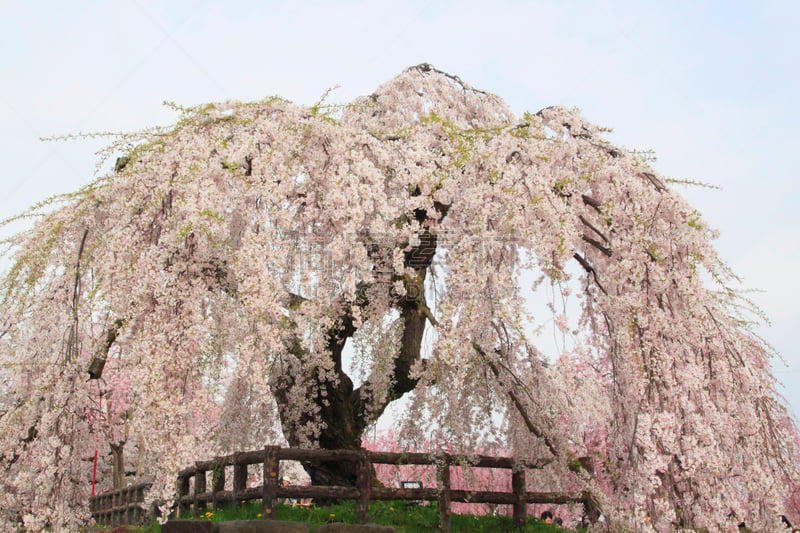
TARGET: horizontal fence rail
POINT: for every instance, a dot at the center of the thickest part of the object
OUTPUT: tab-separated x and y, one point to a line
195	493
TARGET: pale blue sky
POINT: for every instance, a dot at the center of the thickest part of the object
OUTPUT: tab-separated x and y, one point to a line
710	86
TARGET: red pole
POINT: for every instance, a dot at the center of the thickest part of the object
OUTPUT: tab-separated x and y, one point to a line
94	471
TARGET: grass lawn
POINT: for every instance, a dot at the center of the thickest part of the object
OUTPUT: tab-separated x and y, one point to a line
403	517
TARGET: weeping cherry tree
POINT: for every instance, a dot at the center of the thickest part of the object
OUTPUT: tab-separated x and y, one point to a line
271	265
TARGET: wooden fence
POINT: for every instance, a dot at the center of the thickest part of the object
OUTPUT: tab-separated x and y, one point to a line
122	506
194	492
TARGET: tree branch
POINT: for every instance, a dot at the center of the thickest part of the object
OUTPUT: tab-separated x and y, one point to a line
414	313
71	349
597	244
414	317
591	270
594	228
588	200
98	361
518	405
657	183
427	67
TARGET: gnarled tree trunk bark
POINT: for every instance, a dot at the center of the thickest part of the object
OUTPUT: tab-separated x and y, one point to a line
347	411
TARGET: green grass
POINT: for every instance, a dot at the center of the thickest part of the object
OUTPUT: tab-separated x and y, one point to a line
403	517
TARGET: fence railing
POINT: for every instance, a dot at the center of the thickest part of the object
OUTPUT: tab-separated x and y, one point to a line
195	493
122	506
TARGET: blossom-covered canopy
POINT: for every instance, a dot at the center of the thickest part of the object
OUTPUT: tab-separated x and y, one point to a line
213	280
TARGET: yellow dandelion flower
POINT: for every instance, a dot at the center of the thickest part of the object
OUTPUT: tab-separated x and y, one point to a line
332	515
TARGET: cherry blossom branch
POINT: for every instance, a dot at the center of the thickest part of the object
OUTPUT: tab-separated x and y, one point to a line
597	244
31	434
427	67
589	269
653	180
517	402
594	228
588	200
723	336
71	348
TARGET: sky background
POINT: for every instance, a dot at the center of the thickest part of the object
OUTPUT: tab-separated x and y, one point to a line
711	87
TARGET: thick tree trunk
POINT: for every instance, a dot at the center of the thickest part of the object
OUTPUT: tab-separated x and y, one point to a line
345	411
118	464
344	431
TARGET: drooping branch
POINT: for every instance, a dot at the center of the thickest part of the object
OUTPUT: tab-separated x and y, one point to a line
597	244
30	435
518	404
71	349
594	228
589	269
204	217
592	202
77	283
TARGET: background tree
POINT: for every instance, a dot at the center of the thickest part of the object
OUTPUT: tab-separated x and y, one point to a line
233	257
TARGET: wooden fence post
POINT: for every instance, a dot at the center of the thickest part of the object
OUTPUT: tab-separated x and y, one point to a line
444	494
239	479
134	504
129	499
520	499
138	497
123	502
218	484
115	509
362	482
102	504
269	498
183	490
199	488
110	509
